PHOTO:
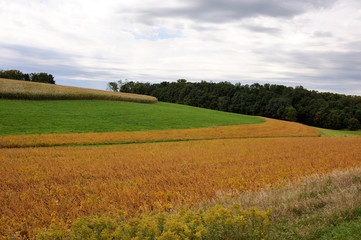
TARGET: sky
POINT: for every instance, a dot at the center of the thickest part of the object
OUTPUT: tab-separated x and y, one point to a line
310	43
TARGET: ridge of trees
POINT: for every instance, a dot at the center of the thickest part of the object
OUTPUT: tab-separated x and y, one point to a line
326	110
32	77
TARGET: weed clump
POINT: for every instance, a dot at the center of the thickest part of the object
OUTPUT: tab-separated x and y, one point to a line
218	222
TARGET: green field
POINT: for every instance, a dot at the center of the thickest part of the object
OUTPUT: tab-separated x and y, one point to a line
338	133
72	116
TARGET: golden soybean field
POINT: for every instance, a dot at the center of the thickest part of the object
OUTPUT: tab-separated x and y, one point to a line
40	186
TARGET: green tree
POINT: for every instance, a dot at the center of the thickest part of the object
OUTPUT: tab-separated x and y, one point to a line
223	103
290	114
42	77
12	74
113	86
26	77
336	119
353	124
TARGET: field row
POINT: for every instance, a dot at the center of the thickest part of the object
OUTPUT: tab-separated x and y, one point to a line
272	128
39	186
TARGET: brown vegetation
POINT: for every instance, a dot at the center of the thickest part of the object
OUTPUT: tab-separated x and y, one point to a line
17	89
39	186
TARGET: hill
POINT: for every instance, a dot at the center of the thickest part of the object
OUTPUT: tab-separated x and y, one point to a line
17	89
80	116
325	110
85	189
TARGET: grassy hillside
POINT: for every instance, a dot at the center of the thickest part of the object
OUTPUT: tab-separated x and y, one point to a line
338	133
67	116
16	89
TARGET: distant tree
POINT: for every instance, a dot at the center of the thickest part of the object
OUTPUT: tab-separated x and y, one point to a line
26	77
353	124
236	102
33	77
276	107
223	103
126	86
290	114
42	77
113	86
12	74
336	119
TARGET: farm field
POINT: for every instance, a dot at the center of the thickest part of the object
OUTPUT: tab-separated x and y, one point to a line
56	167
79	116
40	186
271	128
18	89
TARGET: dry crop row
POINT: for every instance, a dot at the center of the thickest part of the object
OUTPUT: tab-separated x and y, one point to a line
33	90
39	186
272	128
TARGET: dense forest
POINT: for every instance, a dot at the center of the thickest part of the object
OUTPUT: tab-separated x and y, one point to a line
326	110
32	77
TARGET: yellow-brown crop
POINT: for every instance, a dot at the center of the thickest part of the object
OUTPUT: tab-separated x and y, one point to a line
33	90
39	186
272	128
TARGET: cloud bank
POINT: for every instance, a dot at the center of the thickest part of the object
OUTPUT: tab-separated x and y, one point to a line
310	43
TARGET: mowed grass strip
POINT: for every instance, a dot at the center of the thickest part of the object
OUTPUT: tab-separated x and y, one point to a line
40	186
16	89
271	128
79	116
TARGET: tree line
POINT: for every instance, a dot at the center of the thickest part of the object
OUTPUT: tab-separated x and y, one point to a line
326	110
32	77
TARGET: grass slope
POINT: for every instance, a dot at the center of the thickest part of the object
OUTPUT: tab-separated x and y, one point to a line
338	133
68	116
15	89
349	230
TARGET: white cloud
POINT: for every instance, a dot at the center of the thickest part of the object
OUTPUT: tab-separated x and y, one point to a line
309	43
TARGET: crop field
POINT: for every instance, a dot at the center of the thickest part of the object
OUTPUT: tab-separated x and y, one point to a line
40	186
16	89
64	162
272	128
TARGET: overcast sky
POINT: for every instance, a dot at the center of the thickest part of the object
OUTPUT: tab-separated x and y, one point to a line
313	43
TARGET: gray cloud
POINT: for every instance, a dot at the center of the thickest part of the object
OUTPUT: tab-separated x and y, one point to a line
261	29
327	70
334	71
352	45
65	67
33	52
201	28
321	34
337	64
24	64
215	11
